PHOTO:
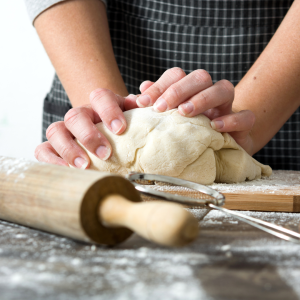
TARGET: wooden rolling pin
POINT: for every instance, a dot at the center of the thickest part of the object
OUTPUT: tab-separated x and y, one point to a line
87	205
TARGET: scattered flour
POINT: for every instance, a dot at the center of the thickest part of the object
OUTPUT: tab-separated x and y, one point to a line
15	166
280	182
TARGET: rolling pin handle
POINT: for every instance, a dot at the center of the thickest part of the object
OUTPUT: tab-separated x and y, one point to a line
165	223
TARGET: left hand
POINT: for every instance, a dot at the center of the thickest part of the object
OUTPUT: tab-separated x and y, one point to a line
195	94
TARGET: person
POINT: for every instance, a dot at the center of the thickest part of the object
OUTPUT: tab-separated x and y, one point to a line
236	61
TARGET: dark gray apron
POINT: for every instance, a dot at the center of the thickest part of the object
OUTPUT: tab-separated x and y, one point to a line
222	37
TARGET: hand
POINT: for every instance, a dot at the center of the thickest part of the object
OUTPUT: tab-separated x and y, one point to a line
79	122
195	94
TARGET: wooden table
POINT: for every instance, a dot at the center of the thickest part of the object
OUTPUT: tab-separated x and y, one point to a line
229	260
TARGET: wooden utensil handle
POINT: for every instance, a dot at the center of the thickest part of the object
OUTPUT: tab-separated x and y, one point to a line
165	223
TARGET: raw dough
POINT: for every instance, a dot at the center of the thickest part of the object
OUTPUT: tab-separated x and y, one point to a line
170	144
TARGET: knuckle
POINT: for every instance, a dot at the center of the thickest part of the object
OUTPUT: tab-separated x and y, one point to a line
87	137
158	88
38	151
106	111
72	116
98	94
227	85
65	152
176	73
173	93
235	121
120	101
204	99
203	76
53	129
251	117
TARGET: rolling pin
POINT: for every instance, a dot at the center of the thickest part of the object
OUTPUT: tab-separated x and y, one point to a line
87	205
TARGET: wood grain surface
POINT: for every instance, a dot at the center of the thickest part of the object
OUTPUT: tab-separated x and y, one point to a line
262	202
278	193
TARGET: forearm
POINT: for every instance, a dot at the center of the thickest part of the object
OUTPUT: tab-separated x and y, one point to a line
271	88
76	37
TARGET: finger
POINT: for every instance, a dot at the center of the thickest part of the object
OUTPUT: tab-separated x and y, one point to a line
46	153
130	102
182	90
168	78
106	104
63	143
79	122
93	115
244	139
238	122
145	85
220	95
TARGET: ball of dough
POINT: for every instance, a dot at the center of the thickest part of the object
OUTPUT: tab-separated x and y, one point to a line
170	144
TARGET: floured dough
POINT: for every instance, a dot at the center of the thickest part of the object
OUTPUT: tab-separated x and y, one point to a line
170	144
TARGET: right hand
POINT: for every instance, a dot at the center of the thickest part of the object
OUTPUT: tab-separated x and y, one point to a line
79	122
196	94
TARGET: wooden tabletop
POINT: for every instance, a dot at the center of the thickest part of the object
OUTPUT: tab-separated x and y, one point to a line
229	260
280	192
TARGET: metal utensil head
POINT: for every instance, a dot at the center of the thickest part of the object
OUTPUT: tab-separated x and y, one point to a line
205	197
210	199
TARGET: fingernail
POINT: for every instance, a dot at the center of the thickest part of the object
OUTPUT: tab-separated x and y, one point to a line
80	163
143	101
186	108
160	105
217	124
116	125
103	152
